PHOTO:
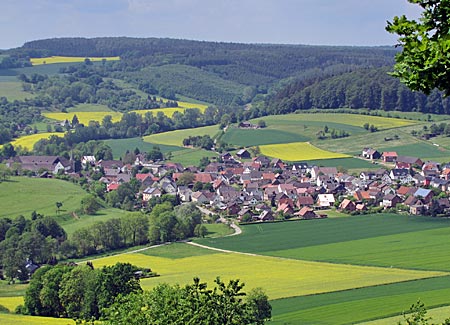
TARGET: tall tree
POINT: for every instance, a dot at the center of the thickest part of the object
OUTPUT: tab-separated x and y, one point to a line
424	61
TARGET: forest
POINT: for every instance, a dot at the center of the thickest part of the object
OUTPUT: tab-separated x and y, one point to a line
242	80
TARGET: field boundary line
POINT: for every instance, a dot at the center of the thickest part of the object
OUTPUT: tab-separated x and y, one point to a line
437	273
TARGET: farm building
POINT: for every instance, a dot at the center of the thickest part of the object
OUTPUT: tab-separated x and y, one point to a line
370	153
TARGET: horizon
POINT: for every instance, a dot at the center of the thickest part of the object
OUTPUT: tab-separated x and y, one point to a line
289	22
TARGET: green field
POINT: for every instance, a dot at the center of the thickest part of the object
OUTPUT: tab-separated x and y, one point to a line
175	138
12	90
120	146
249	138
357	305
380	239
191	157
23	195
424	149
88	108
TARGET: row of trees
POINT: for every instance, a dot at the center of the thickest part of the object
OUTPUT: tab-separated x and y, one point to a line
78	292
196	303
199	141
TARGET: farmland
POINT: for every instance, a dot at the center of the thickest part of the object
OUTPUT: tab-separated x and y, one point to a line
69	59
175	138
297	151
120	146
83	117
293	277
12	90
22	196
28	141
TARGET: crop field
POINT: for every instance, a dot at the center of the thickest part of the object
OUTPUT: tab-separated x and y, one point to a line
438	315
345	119
83	117
12	90
120	146
28	141
191	157
352	306
89	108
293	277
23	195
69	59
11	319
175	138
298	151
347	163
425	150
249	138
380	239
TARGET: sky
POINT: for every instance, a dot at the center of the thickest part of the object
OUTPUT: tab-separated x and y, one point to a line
312	22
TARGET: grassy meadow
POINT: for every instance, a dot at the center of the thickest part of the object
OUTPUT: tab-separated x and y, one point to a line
13	90
69	59
23	195
120	146
175	138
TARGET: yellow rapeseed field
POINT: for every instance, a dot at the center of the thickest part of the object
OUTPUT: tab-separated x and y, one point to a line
296	151
84	117
293	277
69	59
28	141
11	303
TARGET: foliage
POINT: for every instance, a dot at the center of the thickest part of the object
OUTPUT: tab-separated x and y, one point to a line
423	63
90	205
78	292
194	303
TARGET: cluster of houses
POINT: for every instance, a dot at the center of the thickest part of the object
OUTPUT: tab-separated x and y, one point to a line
262	189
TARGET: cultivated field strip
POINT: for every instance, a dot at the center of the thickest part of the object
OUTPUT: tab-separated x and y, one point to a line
292	277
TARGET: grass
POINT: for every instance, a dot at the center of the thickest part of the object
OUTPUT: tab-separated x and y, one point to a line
191	157
89	108
177	251
438	315
23	195
347	163
349	119
11	319
249	138
120	146
422	149
71	224
175	138
381	240
12	90
298	151
69	59
352	306
292	277
215	230
28	141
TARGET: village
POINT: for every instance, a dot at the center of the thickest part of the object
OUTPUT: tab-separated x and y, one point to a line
262	189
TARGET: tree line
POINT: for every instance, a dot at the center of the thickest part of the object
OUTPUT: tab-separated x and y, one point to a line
366	88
